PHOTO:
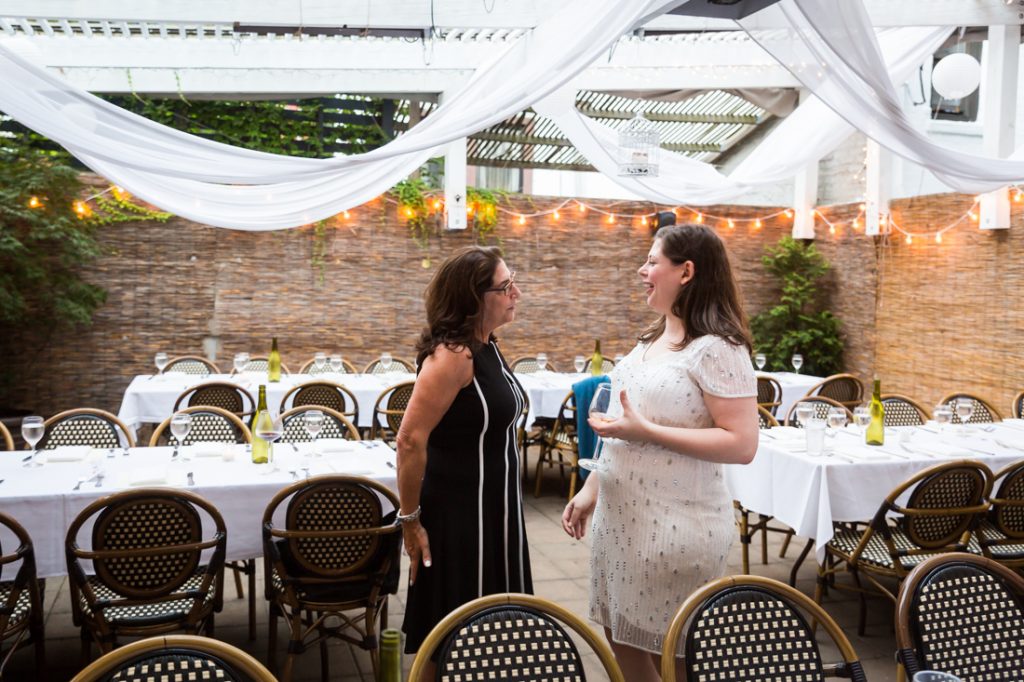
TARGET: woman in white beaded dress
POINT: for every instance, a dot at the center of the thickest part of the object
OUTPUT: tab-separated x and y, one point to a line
663	517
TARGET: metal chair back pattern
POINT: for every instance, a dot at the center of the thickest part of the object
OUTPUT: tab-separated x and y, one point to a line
984	412
335	425
607	365
310	368
209	425
903	411
387	420
338	551
146	551
176	657
323	394
961	614
769	394
21	601
398	366
1001	534
843	388
528	365
5	435
821	407
753	628
511	636
226	396
765	420
191	364
85	426
1017	406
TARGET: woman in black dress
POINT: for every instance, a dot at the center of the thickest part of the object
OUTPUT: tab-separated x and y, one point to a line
458	459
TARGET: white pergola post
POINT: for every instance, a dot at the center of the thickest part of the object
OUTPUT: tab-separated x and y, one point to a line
455	185
999	109
878	188
805	194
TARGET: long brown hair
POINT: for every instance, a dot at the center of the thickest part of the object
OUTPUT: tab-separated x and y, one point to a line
454	300
710	302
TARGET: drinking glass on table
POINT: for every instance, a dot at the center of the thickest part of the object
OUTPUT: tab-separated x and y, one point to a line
32	430
836	420
814	432
181	426
943	416
964	409
862	417
240	362
760	360
804	413
336	363
542	361
385	362
314	423
578	362
798	362
600	410
270	429
160	360
319	361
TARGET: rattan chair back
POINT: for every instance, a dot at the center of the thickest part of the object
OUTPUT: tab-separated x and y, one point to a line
1017	407
843	388
335	425
176	657
607	365
769	394
765	420
959	488
398	366
753	628
984	412
191	364
310	368
511	636
961	614
209	425
222	394
821	407
903	411
323	394
21	602
389	410
259	363
85	426
1007	505
8	441
527	364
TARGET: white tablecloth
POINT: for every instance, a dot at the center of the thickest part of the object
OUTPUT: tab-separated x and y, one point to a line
810	493
794	387
150	400
43	501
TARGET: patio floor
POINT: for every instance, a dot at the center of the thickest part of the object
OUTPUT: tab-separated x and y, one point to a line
560	571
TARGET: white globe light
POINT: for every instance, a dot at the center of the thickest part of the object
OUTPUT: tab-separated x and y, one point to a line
956	76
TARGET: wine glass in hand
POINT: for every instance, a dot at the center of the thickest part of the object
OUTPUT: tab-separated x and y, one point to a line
600	406
32	430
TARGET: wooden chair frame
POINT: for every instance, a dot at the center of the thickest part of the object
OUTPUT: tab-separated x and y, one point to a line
31	630
244	396
924	414
993	412
6	435
346	366
391	415
154	440
525	360
835	379
766	420
214	369
372	365
112	419
685	617
550	445
242	664
791	415
345	395
773	405
466	612
1004	506
349	427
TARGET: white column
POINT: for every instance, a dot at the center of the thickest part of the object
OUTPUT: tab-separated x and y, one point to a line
805	194
998	111
878	188
455	184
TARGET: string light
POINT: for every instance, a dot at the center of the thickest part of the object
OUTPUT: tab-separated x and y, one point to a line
522	220
757	224
34	202
345	214
583	207
611	218
555	215
698	218
732	223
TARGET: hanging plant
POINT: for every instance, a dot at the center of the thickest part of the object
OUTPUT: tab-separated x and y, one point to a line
483	204
412	206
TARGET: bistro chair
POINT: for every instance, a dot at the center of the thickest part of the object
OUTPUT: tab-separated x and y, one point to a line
260	363
903	411
323	394
222	394
176	657
1000	534
527	364
191	364
746	627
984	412
337	552
6	436
209	425
512	636
961	614
769	394
843	388
398	366
142	571
85	426
336	425
559	446
389	410
765	419
943	506
21	598
821	408
310	368
1017	408
607	365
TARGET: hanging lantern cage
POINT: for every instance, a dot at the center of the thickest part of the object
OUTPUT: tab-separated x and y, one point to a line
639	148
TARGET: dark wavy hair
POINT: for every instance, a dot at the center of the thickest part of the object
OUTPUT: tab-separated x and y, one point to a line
710	302
454	300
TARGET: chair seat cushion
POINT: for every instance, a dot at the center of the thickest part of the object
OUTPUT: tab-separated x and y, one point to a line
999	546
339	592
142	615
22	607
876	553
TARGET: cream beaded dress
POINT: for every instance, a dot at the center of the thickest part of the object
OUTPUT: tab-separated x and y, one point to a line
664	521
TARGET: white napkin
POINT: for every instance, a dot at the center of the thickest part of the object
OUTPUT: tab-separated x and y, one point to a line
351	464
68	453
335	446
206	449
146	476
861	453
786	433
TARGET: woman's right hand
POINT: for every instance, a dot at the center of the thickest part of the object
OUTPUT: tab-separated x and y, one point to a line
579	509
417	546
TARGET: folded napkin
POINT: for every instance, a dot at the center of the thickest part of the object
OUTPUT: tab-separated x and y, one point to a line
864	453
206	449
335	446
353	464
785	433
69	453
146	476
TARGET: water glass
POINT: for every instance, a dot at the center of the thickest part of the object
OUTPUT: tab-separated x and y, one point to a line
814	430
542	361
32	430
862	418
314	423
319	362
579	362
943	415
160	360
836	420
336	363
760	360
240	361
804	413
798	362
181	425
935	676
964	408
385	362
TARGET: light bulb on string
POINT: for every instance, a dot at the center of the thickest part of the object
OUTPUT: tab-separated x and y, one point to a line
909	240
643	220
698	218
831	229
583	207
973	215
522	220
611	218
938	237
437	204
789	213
34	202
555	215
346	215
732	223
757	224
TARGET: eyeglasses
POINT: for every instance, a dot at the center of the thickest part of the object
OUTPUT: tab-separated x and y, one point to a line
505	288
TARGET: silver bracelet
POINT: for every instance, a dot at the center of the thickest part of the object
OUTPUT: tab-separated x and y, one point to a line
412	516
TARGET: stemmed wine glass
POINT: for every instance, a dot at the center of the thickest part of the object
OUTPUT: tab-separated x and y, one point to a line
181	425
336	363
804	412
600	407
240	362
964	409
160	360
32	430
578	362
862	418
798	362
836	420
760	360
943	415
270	429
385	362
319	362
542	361
314	423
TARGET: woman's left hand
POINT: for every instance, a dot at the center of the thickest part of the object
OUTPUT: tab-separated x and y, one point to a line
630	426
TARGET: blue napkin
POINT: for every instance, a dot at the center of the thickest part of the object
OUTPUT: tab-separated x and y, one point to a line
586	439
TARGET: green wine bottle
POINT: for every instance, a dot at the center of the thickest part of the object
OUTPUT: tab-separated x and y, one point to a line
260	447
274	363
875	434
596	361
390	669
